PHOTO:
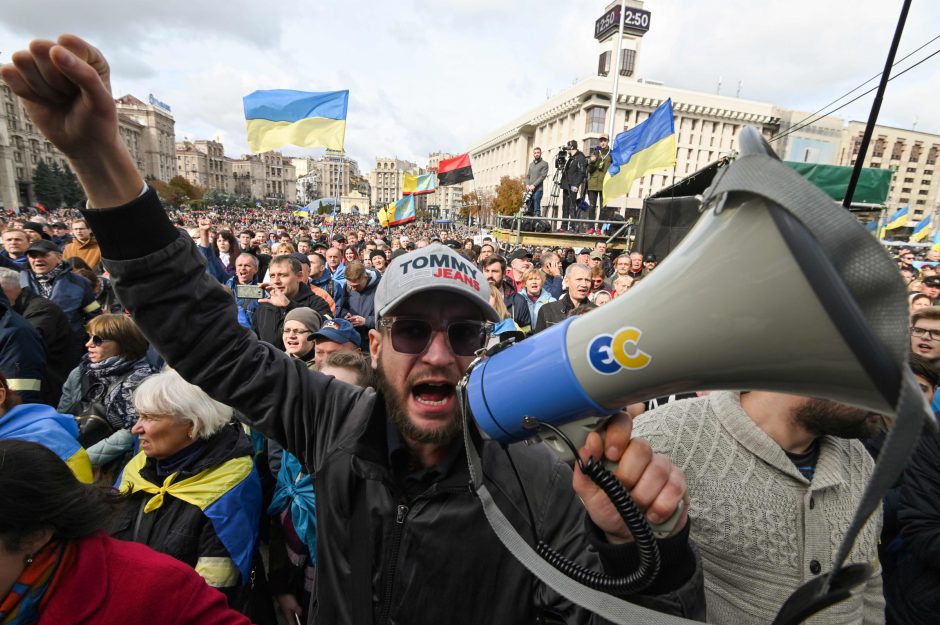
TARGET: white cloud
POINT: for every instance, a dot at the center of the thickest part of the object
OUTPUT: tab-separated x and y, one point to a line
430	75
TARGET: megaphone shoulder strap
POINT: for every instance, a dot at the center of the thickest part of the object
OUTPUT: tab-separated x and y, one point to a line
607	606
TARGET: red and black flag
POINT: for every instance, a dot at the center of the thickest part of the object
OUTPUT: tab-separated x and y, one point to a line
454	170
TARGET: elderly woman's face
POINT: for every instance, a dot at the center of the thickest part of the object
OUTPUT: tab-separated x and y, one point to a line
161	436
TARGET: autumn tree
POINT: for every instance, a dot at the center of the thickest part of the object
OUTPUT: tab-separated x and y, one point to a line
509	195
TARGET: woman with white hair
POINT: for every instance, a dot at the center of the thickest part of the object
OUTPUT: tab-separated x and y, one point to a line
192	491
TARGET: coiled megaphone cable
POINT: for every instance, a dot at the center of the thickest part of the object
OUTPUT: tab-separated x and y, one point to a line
650	561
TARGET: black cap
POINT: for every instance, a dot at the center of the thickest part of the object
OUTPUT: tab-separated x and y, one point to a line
37	228
339	237
604	138
649	258
301	257
571	145
43	246
584	250
376	253
931	281
520	253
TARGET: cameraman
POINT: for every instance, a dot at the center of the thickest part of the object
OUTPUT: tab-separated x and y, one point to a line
572	182
538	171
597	169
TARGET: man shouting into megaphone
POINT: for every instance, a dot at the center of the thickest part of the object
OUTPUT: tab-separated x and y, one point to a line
401	537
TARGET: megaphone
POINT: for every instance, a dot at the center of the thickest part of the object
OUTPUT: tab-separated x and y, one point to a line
775	288
747	301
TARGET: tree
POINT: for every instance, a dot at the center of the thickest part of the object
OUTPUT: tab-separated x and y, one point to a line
72	192
509	195
46	186
185	187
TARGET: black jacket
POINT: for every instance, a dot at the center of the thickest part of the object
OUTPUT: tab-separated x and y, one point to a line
178	528
575	173
912	593
429	558
361	303
53	326
22	353
268	320
554	312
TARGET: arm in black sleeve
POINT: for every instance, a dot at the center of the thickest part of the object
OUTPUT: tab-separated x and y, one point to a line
189	318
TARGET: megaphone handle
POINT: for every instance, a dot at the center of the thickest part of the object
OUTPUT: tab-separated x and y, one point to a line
576	433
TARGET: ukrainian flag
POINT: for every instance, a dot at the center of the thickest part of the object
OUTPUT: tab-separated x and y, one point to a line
936	241
647	147
279	117
398	213
921	230
412	184
898	220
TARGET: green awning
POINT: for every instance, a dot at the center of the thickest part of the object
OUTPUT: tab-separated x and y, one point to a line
872	185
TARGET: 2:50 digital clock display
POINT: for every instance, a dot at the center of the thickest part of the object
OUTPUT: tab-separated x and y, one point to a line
634	21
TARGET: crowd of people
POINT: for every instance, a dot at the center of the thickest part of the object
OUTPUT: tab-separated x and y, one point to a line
239	415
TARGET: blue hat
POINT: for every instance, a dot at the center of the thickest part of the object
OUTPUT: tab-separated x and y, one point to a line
339	331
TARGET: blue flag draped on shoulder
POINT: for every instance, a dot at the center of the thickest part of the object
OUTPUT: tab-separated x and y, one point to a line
278	117
646	147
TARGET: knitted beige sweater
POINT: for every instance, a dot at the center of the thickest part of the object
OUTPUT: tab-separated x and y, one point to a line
760	525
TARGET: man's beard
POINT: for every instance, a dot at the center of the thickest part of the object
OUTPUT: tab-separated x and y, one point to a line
395	408
823	417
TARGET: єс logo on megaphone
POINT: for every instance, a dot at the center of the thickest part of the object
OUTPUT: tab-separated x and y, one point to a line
609	353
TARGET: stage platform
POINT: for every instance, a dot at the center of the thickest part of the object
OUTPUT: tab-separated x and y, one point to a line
555	239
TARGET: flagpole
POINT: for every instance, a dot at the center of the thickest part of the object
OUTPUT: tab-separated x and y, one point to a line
615	93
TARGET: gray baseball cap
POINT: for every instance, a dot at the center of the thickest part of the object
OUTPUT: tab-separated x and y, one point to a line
434	267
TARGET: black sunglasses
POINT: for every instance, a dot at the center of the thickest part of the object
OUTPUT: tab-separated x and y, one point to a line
412	335
96	340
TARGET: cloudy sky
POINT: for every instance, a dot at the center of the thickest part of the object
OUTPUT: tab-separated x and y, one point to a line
428	75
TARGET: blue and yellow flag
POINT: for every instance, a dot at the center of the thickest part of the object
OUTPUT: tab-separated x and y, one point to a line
278	117
646	147
899	219
398	213
921	229
418	185
38	423
228	494
301	213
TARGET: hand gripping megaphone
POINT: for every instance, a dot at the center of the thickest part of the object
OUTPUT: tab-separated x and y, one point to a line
776	288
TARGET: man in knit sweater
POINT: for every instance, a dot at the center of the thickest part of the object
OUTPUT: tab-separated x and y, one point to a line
774	480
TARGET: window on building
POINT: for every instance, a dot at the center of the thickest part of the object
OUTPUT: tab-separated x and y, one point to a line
603	63
595	119
904	200
18	157
923	192
932	155
911	170
908	180
897	150
627	62
928	172
878	149
921	202
916	149
906	190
